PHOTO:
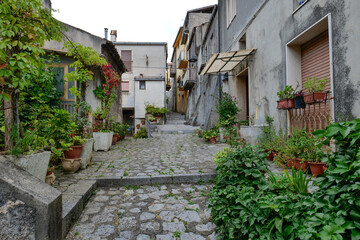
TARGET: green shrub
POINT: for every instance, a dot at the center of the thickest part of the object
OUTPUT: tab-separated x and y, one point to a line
141	133
246	205
226	107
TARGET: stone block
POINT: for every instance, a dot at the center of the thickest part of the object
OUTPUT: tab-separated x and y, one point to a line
186	178
86	154
36	164
165	179
72	209
207	177
47	201
102	140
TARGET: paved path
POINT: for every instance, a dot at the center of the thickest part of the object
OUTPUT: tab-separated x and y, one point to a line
165	154
174	211
163	212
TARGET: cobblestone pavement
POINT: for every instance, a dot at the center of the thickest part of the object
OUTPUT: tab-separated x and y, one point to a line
159	212
165	154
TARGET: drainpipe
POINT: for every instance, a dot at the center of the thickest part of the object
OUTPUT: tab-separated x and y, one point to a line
219	42
106	33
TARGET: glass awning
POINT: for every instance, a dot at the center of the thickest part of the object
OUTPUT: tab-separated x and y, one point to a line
226	61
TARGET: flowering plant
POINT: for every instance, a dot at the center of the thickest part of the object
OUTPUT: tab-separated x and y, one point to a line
106	92
227	107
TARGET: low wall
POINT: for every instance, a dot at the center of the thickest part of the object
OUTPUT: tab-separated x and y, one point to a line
29	208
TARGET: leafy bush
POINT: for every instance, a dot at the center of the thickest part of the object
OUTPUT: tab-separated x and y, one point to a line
141	133
287	93
152	109
226	107
246	205
315	85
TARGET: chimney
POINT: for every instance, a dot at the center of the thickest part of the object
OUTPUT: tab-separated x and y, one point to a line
113	35
106	33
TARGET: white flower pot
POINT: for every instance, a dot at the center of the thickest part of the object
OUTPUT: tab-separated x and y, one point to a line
86	154
102	140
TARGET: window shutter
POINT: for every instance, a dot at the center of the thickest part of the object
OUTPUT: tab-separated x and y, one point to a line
127	60
315	62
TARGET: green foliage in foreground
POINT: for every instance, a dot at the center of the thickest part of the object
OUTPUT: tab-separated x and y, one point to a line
247	205
141	133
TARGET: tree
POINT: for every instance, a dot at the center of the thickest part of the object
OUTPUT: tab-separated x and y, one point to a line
25	25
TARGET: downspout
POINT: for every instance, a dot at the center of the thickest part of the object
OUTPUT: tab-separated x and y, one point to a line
219	45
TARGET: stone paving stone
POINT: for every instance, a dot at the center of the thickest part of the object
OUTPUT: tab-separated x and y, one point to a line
166	154
179	214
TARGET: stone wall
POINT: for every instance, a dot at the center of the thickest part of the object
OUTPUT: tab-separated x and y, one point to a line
17	219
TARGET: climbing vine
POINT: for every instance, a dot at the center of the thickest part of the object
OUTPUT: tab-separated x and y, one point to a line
25	25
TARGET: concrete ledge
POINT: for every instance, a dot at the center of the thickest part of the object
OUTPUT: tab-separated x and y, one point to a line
46	200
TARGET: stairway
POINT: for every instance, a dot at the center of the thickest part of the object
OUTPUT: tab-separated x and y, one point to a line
175	124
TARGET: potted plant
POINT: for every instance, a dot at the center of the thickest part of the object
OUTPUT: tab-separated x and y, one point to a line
299	100
75	148
268	139
315	88
286	98
116	128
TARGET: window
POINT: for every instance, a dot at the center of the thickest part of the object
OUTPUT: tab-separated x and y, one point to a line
127	59
230	11
63	85
298	4
142	85
124	86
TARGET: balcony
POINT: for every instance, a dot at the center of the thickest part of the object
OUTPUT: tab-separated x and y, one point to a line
173	71
188	83
183	63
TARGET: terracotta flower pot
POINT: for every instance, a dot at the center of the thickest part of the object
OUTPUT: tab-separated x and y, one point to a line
213	140
314	97
270	154
50	171
74	153
286	104
290	163
114	139
143	122
138	126
317	168
71	165
95	130
300	164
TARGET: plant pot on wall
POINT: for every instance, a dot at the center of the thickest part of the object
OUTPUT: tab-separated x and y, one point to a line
299	102
286	104
314	97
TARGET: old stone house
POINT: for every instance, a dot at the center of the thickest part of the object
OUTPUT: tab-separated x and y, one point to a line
267	44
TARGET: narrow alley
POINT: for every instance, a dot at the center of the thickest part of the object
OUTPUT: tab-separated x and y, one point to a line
146	211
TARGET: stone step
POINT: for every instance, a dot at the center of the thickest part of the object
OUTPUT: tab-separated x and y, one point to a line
74	200
176	129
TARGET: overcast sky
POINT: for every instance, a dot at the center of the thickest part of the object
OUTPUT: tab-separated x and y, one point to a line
135	20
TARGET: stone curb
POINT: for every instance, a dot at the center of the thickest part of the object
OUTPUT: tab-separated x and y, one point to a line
160	179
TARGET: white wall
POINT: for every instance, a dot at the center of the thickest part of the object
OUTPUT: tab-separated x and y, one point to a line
153	94
148	61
